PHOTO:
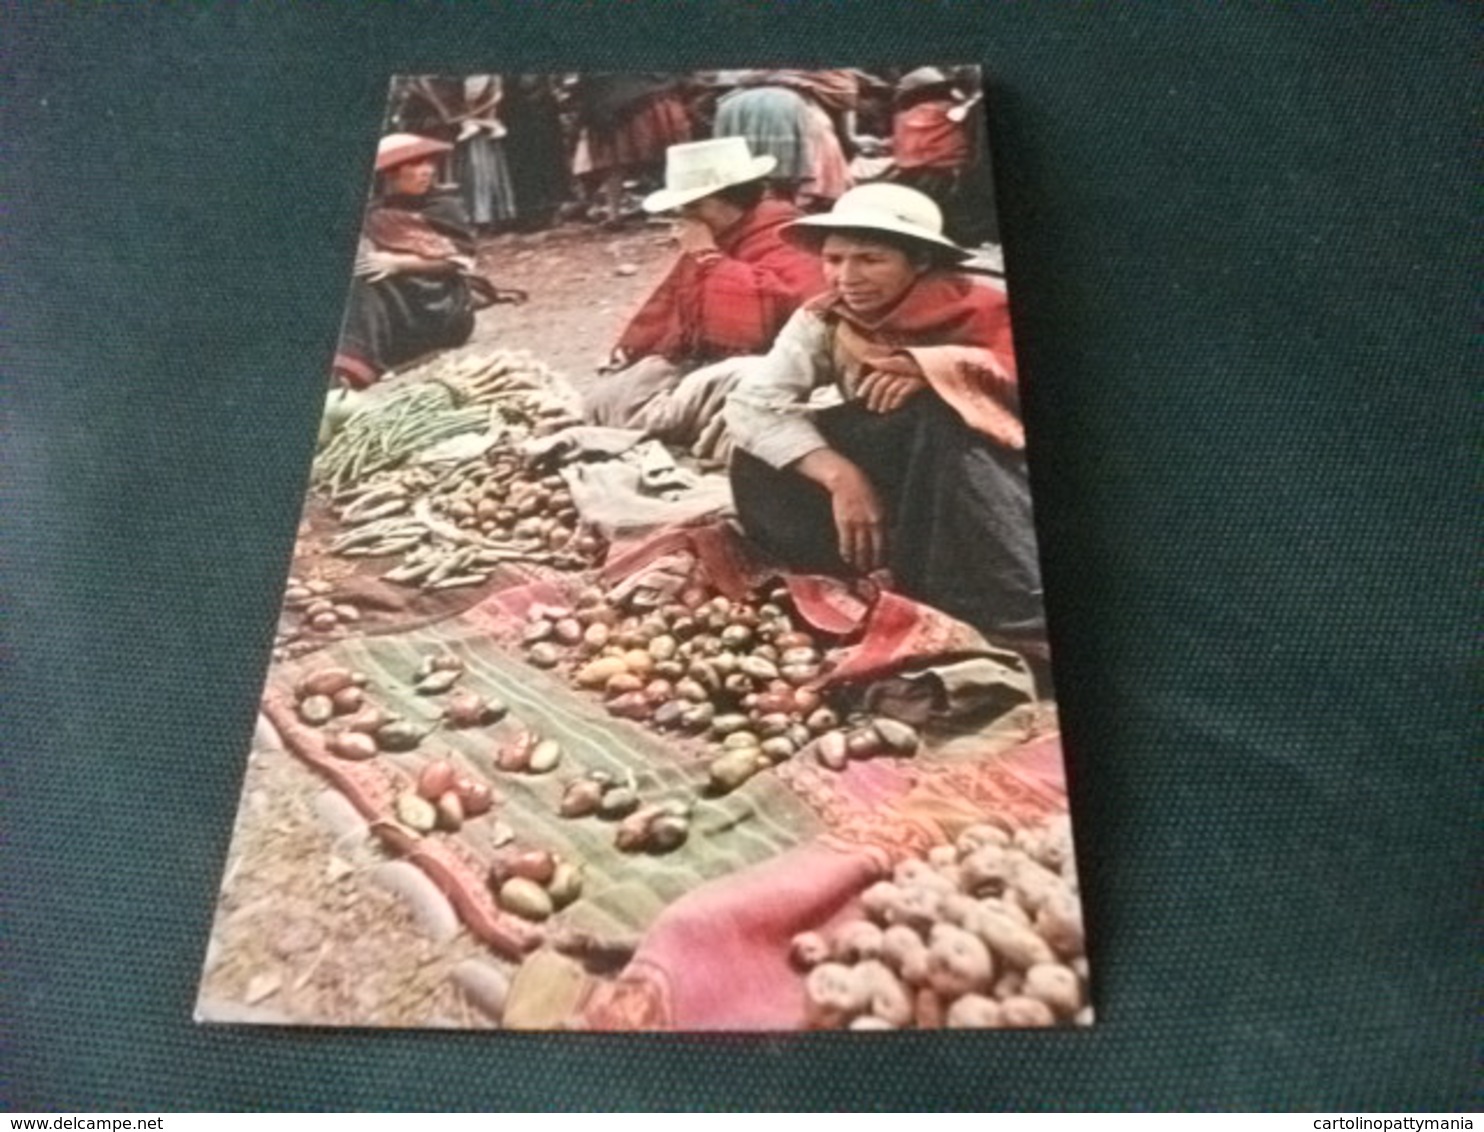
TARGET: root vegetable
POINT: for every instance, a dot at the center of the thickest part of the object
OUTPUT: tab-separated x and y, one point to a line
899	943
417	814
807	950
436	682
1057	986
435	779
349	700
974	1012
368	719
1059	923
545	756
832	750
916	872
834	995
544	655
316	710
526	899
729	771
898	737
863	743
1010	940
927	1009
478	798
399	736
879	899
667	833
450	810
326	682
566	884
617	803
1019	1012
857	940
958	962
917	906
466	708
353	745
580	798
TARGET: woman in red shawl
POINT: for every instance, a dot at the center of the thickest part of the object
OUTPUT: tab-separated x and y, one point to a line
921	469
412	289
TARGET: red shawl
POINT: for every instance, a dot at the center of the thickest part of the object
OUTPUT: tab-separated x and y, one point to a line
924	137
735	304
956	329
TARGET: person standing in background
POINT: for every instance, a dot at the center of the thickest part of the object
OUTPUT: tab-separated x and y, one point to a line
628	121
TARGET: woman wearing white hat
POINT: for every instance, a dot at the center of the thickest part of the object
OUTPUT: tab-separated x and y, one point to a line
921	469
733	286
412	288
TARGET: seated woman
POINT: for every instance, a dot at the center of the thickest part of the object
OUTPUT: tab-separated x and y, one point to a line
412	288
921	470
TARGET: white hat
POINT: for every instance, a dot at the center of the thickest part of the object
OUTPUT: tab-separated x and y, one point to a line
398	149
697	169
878	207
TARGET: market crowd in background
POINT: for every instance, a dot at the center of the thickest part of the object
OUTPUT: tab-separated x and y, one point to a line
531	150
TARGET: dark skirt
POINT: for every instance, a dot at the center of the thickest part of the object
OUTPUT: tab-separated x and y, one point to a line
959	528
400	318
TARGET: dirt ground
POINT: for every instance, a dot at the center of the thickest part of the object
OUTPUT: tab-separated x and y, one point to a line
583	283
308	928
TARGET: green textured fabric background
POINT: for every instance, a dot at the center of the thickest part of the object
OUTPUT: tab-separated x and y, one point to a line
1244	244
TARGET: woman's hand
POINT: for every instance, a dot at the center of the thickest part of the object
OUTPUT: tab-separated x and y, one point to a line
885	391
860	520
374	264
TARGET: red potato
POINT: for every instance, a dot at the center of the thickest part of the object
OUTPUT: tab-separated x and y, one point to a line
478	798
348	700
435	779
326	682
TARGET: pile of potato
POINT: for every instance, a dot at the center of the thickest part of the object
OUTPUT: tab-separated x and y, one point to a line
985	933
315	618
534	883
354	728
655	828
502	499
740	675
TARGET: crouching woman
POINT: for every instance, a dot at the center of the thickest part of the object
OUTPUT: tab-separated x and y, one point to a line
919	467
414	286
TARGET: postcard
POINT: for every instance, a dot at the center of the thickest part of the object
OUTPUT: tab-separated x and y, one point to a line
664	644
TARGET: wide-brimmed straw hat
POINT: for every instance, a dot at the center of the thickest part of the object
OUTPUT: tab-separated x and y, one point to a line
697	169
921	79
398	149
879	207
